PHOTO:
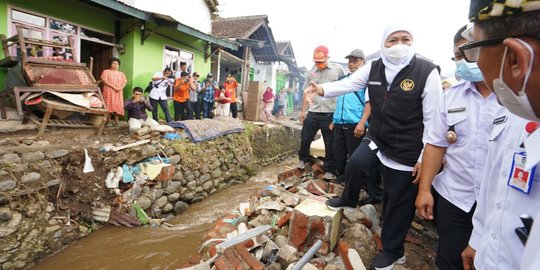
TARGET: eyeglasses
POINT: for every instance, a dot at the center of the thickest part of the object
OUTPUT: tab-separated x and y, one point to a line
471	50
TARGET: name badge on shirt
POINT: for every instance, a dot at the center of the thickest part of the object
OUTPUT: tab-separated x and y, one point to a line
520	178
456	110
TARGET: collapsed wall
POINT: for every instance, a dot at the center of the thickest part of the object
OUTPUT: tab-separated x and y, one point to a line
47	201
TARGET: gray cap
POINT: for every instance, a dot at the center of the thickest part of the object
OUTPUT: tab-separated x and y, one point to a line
357	53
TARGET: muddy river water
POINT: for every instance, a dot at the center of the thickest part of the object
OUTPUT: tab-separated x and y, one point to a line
155	247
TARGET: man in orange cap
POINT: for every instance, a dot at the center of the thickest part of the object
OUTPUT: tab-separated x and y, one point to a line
319	111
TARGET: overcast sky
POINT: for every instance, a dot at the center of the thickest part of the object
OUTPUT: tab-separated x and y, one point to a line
343	25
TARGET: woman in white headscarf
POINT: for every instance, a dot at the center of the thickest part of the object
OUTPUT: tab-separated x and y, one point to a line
403	90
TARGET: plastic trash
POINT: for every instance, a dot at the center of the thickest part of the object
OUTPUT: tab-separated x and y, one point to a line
141	215
172	136
87	163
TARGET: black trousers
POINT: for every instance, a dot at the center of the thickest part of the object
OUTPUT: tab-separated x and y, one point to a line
344	145
234	109
164	106
182	110
196	108
313	123
362	170
454	227
399	196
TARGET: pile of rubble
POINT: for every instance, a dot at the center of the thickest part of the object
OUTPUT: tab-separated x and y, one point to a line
288	226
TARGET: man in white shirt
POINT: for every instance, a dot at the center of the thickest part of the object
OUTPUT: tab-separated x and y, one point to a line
158	95
403	92
457	133
506	46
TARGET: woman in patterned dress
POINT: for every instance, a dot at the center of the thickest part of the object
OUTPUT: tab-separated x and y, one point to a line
114	82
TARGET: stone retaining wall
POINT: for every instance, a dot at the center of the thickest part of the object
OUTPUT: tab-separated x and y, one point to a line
46	200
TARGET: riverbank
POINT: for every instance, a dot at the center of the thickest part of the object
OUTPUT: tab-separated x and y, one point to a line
48	201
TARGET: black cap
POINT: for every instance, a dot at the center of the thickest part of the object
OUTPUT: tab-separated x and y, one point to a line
209	75
184	74
167	69
481	10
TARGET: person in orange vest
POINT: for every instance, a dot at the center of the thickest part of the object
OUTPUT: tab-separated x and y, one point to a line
182	106
230	85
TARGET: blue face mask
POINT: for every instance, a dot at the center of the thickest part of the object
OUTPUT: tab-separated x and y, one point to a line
468	71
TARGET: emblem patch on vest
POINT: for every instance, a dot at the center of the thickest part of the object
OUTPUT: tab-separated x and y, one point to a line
407	85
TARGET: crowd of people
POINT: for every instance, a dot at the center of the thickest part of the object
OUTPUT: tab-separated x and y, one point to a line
192	98
464	157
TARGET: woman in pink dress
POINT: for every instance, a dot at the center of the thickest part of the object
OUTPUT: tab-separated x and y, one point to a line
114	82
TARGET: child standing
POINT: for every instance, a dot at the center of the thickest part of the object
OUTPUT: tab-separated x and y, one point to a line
223	98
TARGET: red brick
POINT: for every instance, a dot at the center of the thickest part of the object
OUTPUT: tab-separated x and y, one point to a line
223	264
249	243
285	175
166	173
212	249
366	222
284	219
220	231
317	167
248	258
298	229
235	262
327	187
344	253
293	189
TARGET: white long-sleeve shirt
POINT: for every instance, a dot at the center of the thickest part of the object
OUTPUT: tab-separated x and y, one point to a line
359	79
499	206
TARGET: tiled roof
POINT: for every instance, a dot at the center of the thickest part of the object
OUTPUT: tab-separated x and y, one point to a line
282	46
237	27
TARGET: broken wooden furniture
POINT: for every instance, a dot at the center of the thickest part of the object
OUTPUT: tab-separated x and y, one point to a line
40	73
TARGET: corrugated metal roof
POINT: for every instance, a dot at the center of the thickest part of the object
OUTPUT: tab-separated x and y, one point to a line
122	7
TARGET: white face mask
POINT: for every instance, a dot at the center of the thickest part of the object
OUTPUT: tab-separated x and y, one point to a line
397	52
520	104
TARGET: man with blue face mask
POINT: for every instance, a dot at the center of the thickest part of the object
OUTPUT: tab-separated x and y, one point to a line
456	134
506	45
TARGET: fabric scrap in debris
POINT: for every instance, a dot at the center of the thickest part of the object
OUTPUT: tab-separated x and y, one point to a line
172	136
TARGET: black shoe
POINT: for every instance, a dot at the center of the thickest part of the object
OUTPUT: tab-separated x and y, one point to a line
369	201
383	261
338	204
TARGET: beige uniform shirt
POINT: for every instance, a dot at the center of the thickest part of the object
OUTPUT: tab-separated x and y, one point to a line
331	73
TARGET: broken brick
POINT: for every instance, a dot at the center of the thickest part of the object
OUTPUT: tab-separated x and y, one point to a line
166	173
220	231
231	256
286	175
248	258
343	248
223	264
317	168
284	219
325	186
298	229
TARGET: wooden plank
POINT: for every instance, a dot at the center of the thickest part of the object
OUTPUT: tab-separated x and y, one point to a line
4	45
45	121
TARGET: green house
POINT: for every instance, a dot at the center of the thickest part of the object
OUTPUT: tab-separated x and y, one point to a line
145	42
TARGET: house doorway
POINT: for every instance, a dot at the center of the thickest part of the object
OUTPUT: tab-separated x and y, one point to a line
101	53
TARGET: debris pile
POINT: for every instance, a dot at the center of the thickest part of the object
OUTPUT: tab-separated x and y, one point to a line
288	226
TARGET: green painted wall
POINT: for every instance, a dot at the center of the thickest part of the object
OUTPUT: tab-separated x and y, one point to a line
67	10
139	61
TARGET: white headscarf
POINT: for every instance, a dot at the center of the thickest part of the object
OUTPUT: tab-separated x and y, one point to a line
392	68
